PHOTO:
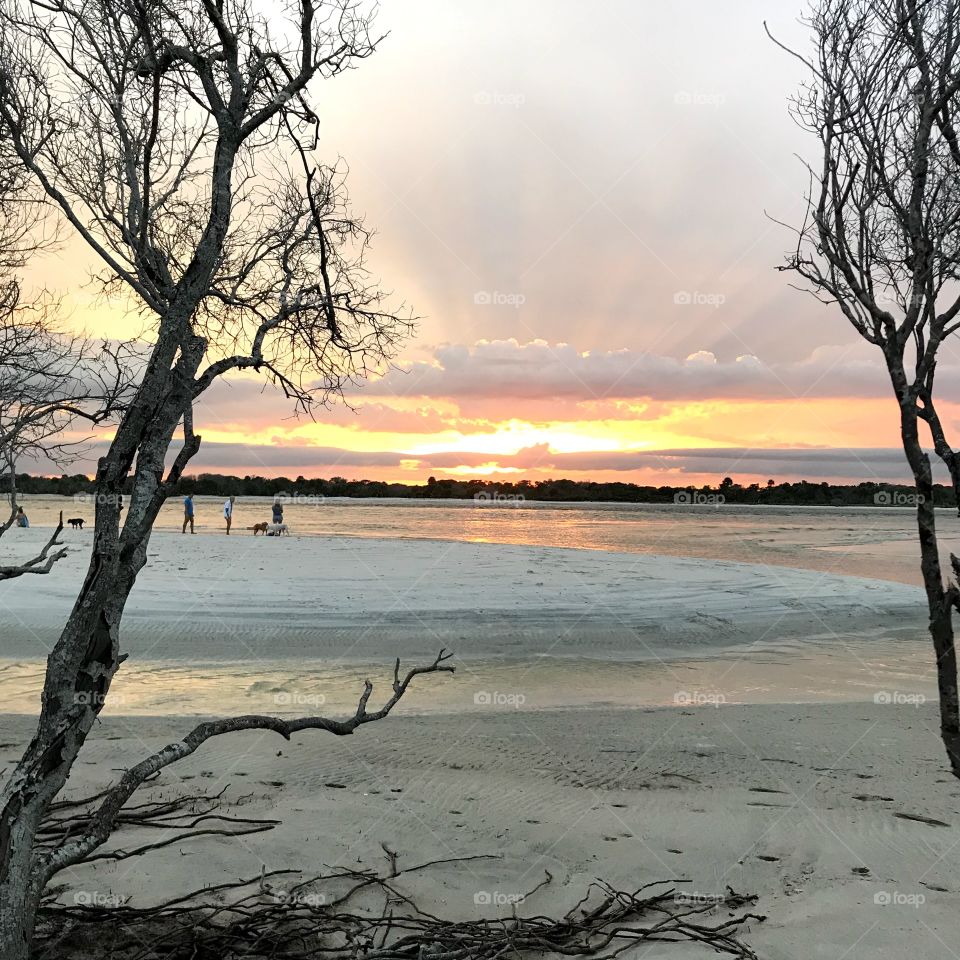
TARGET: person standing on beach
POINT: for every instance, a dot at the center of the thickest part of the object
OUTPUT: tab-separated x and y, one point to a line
228	512
277	512
188	513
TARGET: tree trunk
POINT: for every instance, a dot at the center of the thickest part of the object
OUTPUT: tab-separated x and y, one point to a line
941	629
939	600
81	666
18	910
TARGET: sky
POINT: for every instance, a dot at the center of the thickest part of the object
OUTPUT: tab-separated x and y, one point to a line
579	202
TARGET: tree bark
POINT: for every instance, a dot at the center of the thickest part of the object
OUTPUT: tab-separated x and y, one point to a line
241	84
81	666
939	599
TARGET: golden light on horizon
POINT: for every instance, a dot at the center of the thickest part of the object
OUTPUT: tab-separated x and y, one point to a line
700	424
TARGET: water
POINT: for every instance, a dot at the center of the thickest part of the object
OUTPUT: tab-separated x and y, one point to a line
876	542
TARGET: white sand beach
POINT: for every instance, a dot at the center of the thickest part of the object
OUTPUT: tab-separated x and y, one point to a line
801	805
617	716
246	596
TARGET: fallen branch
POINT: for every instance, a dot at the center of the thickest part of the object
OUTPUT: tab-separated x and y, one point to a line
277	916
180	817
100	822
304	923
40	564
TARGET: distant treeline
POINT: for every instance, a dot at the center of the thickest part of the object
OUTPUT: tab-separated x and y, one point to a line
800	493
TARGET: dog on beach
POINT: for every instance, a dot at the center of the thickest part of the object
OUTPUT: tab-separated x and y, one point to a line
259	528
76	523
278	530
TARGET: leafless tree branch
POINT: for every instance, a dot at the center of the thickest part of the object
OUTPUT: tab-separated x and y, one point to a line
102	821
881	239
161	132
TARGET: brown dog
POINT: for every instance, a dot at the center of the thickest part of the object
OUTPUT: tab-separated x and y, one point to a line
259	528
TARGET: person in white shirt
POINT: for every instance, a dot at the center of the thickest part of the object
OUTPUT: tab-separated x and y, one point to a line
228	513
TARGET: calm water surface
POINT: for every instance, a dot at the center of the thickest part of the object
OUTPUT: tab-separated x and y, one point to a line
878	542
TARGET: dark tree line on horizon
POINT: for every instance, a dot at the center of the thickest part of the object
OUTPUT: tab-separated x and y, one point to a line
786	493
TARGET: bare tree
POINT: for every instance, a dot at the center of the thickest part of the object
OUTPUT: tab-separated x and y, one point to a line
50	381
882	235
175	138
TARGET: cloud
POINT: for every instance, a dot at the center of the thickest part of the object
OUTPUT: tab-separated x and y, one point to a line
248	404
664	466
814	464
855	465
538	370
254	458
671	465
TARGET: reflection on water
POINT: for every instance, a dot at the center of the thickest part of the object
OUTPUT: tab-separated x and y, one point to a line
869	542
894	673
877	543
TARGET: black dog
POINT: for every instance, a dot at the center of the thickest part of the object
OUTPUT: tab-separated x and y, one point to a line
76	523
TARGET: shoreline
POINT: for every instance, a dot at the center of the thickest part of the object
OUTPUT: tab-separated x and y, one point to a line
221	626
217	500
877	545
866	672
825	792
360	599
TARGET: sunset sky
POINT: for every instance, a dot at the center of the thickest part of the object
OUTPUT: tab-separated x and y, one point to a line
576	199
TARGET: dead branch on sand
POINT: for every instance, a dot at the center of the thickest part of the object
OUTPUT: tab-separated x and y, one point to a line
272	918
183	817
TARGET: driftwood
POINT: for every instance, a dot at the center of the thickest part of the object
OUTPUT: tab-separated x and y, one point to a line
346	913
101	819
181	818
43	562
302	920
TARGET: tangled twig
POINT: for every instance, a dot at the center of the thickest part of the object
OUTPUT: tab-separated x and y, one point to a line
275	916
182	818
299	922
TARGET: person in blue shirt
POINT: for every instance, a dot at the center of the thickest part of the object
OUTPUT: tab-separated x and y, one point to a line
22	520
188	513
277	511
